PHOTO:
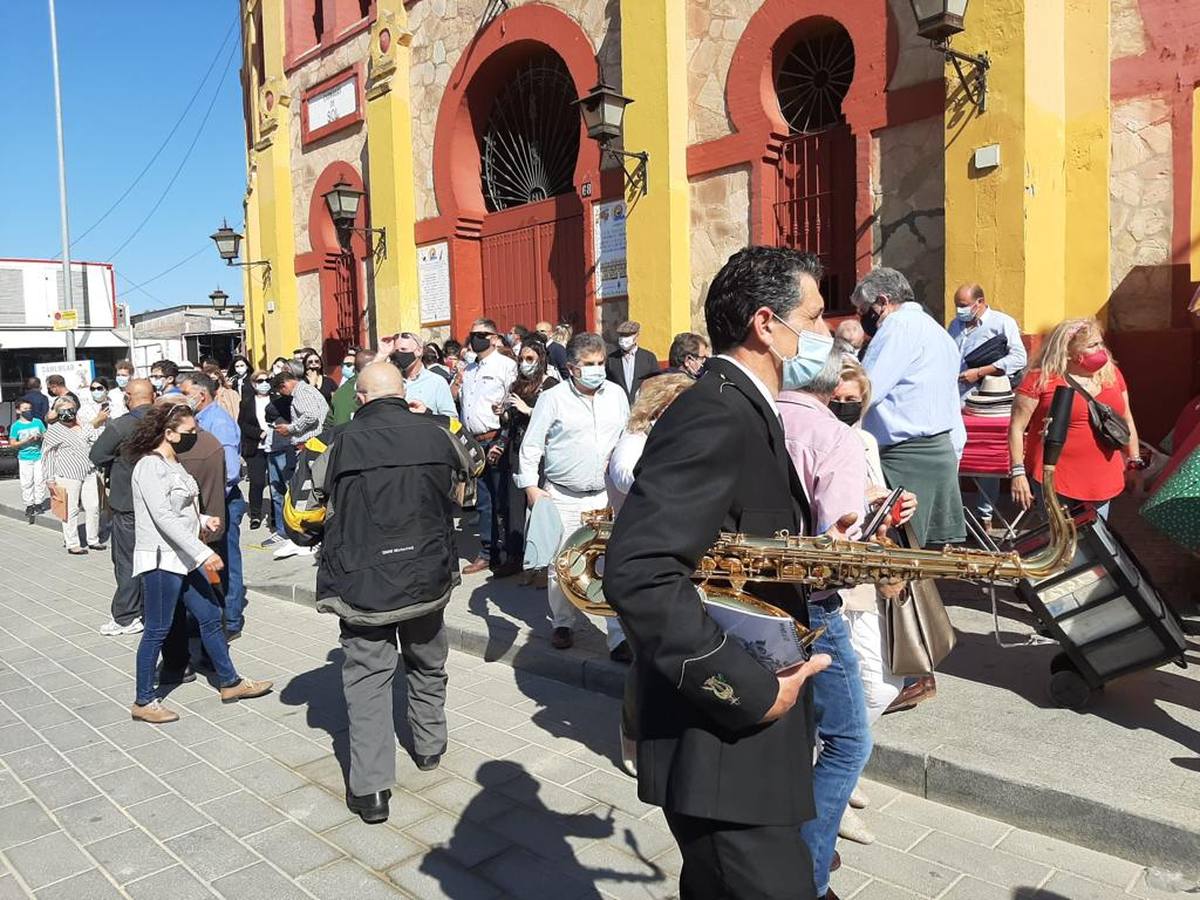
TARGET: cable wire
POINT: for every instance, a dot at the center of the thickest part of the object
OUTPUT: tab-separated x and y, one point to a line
170	269
166	140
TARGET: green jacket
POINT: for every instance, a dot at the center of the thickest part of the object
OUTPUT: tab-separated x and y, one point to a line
342	406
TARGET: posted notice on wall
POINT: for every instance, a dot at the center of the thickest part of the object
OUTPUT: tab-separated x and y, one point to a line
608	234
433	282
78	375
336	103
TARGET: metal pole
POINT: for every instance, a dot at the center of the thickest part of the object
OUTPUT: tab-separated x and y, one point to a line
129	326
62	185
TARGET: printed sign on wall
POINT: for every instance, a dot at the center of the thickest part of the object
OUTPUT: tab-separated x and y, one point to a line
608	231
433	278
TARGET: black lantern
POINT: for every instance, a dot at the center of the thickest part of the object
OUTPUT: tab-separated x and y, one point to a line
219	299
227	241
603	111
938	20
343	202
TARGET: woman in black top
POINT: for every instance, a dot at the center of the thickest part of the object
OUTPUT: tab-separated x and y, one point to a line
532	379
314	374
239	376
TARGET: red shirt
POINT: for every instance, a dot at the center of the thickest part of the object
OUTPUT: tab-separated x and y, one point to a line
1086	470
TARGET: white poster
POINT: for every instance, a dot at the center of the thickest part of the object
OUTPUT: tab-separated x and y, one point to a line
78	374
608	232
433	277
336	103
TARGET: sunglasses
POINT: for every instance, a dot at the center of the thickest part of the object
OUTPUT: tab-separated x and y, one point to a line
262	380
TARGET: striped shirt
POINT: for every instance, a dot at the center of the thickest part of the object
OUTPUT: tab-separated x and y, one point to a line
309	409
65	452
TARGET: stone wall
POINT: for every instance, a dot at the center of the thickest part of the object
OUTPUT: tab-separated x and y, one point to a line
714	28
349	144
308	305
1127	31
442	29
720	227
908	190
1141	214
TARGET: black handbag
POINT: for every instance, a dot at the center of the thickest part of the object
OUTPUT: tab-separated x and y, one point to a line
1110	429
990	351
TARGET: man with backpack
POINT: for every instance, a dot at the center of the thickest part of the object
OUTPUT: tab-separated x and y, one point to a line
387	567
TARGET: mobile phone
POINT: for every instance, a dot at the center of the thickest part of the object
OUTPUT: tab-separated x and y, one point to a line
890	505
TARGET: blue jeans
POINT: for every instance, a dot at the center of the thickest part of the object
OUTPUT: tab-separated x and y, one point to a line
989	496
280	466
230	550
841	714
498	541
161	593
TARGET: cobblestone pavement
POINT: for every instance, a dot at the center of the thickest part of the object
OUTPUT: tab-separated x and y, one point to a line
246	800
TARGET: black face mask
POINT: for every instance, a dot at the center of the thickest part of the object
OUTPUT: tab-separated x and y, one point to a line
404	360
870	321
186	442
26	414
481	342
847	411
67	415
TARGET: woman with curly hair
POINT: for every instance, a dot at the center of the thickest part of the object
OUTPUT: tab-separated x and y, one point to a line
172	561
1088	469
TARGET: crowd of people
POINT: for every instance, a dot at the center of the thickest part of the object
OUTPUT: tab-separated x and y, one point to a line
770	422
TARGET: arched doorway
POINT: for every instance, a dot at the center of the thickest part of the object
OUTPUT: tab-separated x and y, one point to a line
816	188
532	238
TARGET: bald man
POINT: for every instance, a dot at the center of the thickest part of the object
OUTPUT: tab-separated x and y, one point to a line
106	456
388	566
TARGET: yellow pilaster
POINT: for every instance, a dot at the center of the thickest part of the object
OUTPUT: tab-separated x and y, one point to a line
272	198
390	166
658	228
252	292
1034	231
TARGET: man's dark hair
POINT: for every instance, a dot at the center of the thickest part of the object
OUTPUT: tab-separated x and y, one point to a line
520	331
23	402
287	375
33	383
451	348
168	368
753	278
56	381
432	354
204	382
686	344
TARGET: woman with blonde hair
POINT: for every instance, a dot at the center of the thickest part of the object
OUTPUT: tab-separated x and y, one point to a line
1089	470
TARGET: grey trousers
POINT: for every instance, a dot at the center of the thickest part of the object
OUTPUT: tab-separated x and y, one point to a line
127	598
367	674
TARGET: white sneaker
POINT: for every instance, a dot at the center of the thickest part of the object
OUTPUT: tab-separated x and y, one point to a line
286	549
853	828
112	628
628	752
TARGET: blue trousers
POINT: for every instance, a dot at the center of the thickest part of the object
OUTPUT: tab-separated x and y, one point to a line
280	466
162	592
841	714
230	550
498	540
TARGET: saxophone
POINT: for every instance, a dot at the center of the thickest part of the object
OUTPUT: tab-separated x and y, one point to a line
736	560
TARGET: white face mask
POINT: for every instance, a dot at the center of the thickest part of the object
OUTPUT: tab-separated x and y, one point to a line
592	376
277	368
99	394
262	387
240	368
469	356
628	342
529	369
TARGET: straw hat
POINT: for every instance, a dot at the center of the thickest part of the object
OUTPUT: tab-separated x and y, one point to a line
993	397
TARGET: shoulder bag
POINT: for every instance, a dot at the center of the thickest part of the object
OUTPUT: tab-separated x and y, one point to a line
1110	429
917	632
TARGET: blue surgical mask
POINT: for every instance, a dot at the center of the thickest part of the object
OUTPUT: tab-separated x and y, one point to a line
965	313
529	369
122	380
158	382
347	371
812	352
591	377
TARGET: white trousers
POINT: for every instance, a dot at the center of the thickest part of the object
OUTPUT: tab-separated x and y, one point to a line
83	501
33	481
880	686
571	505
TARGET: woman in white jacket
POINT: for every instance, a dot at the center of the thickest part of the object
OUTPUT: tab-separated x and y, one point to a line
172	561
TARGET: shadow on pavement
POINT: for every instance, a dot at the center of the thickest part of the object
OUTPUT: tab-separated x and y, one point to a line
320	690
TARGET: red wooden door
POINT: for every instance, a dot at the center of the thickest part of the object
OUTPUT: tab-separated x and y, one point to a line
341	307
535	270
814	208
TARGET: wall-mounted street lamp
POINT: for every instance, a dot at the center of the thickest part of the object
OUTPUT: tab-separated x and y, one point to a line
940	20
603	111
343	202
228	241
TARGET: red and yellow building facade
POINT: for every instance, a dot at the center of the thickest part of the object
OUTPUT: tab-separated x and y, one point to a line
824	125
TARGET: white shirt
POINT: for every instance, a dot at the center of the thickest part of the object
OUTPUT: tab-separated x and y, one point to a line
756	381
625	457
486	382
628	358
575	433
260	413
992	323
116	402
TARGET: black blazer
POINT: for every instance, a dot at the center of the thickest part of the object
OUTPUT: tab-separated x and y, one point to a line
644	363
716	461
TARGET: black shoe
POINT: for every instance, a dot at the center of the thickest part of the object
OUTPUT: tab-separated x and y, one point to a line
30	513
508	569
175	676
427	763
621	653
371	808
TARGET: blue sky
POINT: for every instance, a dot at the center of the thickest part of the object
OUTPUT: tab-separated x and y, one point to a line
128	73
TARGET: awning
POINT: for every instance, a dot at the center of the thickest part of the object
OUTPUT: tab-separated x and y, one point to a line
45	339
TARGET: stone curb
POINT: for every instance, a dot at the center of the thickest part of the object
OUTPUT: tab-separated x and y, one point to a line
951	776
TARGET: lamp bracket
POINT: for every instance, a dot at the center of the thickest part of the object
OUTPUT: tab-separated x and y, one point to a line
637	181
974	84
378	247
265	263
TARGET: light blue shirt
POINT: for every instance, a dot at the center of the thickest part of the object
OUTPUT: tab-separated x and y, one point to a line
913	364
433	390
991	324
220	425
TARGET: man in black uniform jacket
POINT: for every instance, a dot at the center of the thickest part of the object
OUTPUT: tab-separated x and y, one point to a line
725	746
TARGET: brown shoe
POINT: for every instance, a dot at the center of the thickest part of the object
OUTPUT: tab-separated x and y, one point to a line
924	688
154	713
562	639
244	690
835	863
480	565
